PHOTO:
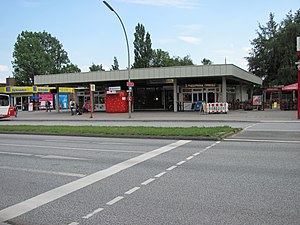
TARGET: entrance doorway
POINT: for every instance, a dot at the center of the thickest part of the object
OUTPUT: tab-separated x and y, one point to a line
210	97
169	101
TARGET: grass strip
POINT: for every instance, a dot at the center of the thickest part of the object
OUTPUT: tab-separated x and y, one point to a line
216	132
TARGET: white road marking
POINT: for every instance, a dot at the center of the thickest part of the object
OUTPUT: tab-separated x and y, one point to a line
75	149
62	157
248	127
160	174
43	156
263	140
180	163
92	214
44	171
171	168
73	223
197	153
190	157
208	147
15	153
56	193
115	200
132	190
88	142
148	181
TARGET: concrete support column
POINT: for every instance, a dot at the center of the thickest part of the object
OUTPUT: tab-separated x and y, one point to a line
251	93
57	99
224	90
241	92
175	95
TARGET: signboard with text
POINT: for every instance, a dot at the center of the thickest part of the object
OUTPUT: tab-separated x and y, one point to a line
130	84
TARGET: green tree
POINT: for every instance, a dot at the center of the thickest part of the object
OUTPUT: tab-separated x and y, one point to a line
160	58
206	61
70	68
142	48
38	53
95	67
178	61
272	56
115	66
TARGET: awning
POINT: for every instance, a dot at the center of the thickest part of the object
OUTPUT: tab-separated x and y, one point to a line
291	87
34	98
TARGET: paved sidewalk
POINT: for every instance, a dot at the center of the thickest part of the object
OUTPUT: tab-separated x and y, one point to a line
231	116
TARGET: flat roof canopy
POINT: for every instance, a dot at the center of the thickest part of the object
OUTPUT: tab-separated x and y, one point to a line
200	73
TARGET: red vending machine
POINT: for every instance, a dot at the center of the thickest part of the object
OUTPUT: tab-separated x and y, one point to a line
116	102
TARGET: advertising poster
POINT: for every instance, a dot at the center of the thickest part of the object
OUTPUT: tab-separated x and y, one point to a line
257	100
63	101
44	98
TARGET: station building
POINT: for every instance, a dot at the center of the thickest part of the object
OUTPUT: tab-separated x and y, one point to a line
163	88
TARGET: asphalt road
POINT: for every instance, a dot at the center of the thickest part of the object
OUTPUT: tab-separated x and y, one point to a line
251	178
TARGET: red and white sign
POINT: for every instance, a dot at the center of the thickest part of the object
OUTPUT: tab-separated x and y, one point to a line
130	84
130	98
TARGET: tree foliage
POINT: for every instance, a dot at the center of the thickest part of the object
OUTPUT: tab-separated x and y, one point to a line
38	53
185	61
142	47
272	56
206	61
160	58
115	65
145	56
70	68
95	67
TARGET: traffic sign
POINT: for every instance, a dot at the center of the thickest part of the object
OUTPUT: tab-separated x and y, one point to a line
130	84
130	98
92	86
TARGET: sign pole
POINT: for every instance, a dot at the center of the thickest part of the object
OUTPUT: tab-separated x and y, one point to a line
298	92
92	88
298	66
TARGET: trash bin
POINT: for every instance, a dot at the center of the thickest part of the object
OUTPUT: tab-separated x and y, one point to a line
198	106
11	111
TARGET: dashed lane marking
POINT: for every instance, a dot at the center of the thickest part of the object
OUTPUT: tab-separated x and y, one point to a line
171	168
115	200
148	181
180	163
132	190
160	174
190	157
92	214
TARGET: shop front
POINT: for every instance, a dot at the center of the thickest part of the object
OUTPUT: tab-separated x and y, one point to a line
194	93
30	98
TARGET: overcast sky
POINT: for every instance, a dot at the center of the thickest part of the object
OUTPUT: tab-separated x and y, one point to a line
91	33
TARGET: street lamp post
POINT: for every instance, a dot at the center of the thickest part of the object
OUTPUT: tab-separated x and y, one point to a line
128	55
